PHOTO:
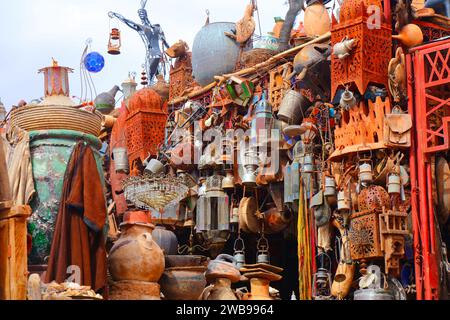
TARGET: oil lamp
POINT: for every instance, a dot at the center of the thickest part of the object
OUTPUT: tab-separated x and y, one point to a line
114	42
322	281
262	255
239	254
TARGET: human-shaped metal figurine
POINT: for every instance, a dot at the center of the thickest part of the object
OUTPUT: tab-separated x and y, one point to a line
151	35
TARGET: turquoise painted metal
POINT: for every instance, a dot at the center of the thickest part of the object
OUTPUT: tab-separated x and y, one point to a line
50	154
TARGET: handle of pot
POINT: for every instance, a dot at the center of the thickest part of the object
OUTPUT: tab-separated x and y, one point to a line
226	258
147	239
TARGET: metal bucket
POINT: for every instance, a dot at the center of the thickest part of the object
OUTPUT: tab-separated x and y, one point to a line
291	107
120	157
213	53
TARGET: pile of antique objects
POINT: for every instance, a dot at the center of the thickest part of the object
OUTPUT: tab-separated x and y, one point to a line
311	163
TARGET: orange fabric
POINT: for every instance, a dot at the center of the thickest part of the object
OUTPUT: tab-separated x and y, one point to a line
78	238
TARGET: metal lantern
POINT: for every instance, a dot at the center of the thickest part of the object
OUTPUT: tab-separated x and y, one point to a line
120	157
262	122
212	207
343	200
228	181
394	183
239	254
330	186
308	163
365	171
114	42
251	163
322	282
262	256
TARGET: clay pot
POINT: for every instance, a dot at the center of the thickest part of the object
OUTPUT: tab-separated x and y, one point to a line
166	240
411	35
317	21
184	277
220	290
134	290
162	88
135	256
183	283
259	290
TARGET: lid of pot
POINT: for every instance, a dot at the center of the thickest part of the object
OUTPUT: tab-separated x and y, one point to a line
137	217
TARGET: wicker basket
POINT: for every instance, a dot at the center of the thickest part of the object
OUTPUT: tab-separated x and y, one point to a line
33	118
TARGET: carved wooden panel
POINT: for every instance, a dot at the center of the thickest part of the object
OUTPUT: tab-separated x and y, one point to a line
278	85
364	236
361	128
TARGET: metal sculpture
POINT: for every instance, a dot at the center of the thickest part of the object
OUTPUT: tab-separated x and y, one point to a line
151	35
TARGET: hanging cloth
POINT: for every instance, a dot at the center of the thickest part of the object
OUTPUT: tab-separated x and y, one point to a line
78	240
16	147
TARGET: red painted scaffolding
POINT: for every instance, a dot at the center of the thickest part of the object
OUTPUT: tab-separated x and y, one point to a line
428	69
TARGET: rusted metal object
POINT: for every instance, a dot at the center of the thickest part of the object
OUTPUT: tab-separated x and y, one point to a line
364	236
373	198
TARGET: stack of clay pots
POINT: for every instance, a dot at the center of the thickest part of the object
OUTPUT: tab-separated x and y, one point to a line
136	262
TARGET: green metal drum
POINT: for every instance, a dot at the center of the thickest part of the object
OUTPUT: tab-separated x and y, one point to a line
50	154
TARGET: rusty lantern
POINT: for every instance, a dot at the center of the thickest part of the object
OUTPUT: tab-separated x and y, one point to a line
114	43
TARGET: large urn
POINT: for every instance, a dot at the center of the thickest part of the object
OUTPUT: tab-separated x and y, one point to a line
213	53
135	256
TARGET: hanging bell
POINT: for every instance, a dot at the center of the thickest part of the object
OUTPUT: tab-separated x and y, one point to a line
114	43
330	186
365	172
394	183
343	200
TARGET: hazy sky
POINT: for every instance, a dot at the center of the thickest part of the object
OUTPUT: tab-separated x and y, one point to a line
34	31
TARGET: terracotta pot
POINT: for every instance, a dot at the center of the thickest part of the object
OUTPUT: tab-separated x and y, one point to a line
183	283
259	290
317	21
411	35
135	256
220	290
134	290
184	277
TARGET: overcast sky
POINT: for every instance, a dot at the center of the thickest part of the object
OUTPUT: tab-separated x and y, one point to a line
34	31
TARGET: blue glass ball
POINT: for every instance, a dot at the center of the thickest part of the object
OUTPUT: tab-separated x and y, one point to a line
332	112
94	62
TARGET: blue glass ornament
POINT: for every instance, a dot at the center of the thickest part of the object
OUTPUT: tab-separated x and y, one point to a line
94	62
332	113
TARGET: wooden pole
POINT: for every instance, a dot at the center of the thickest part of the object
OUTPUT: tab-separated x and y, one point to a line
220	79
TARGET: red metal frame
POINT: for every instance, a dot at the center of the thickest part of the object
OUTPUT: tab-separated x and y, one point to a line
428	68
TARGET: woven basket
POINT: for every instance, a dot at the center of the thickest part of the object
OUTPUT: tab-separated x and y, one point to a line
32	118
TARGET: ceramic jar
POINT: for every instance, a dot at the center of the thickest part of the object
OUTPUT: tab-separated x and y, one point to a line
259	290
220	290
166	240
135	256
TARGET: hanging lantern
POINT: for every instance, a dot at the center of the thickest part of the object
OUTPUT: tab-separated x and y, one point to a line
322	281
114	43
94	62
120	158
365	171
343	200
262	256
394	183
308	163
330	186
228	181
213	212
239	254
262	122
251	163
